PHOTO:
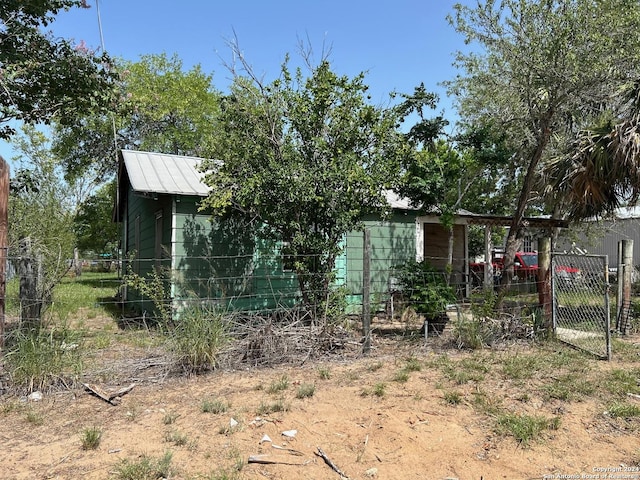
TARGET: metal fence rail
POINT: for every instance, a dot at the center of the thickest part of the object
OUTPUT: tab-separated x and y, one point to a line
581	313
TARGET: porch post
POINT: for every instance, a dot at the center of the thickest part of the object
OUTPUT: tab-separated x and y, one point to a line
488	259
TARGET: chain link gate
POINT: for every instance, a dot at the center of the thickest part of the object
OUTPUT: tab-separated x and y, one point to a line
581	313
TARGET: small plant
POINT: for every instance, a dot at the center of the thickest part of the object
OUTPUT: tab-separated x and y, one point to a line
413	365
401	376
324	373
35	418
90	438
452	398
378	390
305	390
170	418
374	367
214	406
279	385
567	387
485	403
177	438
154	287
232	427
272	407
145	468
524	428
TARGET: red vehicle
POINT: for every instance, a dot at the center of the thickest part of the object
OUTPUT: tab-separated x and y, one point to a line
525	268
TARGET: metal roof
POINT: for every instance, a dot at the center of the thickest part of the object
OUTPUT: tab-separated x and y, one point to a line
162	173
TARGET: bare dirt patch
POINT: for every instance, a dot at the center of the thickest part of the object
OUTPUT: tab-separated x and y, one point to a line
371	415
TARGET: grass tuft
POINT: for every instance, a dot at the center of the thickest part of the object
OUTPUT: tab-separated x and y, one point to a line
214	406
306	390
279	385
145	468
90	438
524	428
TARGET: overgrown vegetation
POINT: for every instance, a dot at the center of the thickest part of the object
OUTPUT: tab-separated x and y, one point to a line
425	288
45	358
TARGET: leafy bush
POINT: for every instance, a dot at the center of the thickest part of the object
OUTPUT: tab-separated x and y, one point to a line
425	288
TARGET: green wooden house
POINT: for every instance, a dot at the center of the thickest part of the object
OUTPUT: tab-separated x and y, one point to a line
222	262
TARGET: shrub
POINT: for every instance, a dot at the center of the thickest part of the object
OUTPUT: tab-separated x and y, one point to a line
425	288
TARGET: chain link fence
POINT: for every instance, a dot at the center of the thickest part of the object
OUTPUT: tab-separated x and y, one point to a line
581	312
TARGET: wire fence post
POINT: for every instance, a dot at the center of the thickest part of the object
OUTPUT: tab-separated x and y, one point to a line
366	292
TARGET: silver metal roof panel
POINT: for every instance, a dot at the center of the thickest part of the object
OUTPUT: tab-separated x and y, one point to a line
161	173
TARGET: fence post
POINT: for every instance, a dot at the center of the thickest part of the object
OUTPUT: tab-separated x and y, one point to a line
544	281
29	302
624	300
366	288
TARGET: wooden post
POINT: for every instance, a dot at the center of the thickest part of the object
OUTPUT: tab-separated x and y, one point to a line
77	265
29	302
544	282
4	228
366	289
627	261
619	275
488	260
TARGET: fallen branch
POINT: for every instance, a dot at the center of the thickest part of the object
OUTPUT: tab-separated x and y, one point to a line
112	398
328	461
269	460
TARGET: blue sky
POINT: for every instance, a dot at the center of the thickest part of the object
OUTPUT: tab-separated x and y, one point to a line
398	44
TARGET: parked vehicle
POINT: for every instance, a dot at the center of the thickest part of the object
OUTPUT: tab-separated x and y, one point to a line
525	269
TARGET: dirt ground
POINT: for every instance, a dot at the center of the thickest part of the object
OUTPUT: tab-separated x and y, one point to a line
367	420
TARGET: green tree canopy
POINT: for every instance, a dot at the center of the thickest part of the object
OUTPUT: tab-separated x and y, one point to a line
161	108
41	208
542	69
306	158
42	77
93	225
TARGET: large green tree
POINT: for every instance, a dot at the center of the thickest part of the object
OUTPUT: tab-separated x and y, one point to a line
41	76
541	68
161	108
305	157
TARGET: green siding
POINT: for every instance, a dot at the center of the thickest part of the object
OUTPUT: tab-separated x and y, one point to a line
393	242
222	262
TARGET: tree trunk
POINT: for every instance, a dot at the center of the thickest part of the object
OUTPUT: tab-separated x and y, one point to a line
515	229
